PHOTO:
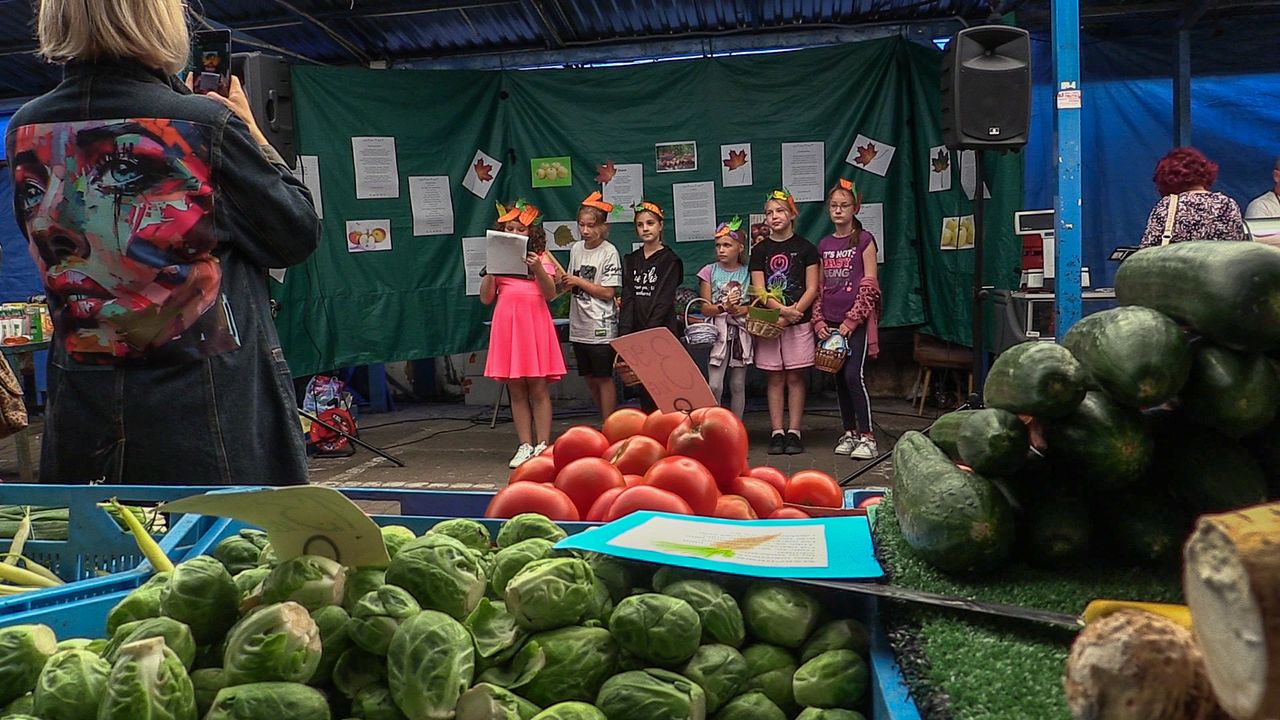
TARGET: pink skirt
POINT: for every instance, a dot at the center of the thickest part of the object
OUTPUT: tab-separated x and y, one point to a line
522	340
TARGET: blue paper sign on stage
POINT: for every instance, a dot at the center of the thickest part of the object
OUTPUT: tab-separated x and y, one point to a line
831	548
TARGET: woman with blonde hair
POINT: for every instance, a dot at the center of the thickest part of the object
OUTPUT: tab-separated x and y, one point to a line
152	215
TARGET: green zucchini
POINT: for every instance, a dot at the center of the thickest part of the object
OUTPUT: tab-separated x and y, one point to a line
1106	446
1055	530
945	432
1142	527
1206	471
1137	355
993	442
1035	378
1235	393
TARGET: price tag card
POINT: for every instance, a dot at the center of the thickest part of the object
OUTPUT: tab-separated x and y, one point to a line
300	520
666	370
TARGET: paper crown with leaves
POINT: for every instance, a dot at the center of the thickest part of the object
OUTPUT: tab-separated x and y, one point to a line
850	187
649	206
596	200
730	229
785	196
522	211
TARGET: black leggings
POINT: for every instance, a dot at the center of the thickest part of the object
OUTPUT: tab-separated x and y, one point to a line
851	388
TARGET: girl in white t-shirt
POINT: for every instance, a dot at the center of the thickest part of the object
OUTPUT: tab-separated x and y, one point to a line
594	277
723	285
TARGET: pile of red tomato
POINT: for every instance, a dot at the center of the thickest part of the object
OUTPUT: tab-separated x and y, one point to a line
690	464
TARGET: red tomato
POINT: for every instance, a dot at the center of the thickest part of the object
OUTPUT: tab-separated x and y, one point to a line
633	480
577	442
687	478
813	487
600	508
586	479
868	502
533	497
550	452
538	469
771	475
763	498
788	513
716	438
623	423
643	497
659	425
734	507
635	455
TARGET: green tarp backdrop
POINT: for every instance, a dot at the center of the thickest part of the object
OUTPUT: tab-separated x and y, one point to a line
341	308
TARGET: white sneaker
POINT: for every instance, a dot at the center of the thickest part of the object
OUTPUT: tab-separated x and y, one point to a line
864	448
846	444
523	453
537	449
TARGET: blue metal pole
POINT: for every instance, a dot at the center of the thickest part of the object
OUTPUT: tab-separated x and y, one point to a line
1067	201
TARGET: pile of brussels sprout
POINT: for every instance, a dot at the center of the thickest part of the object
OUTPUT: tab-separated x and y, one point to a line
457	626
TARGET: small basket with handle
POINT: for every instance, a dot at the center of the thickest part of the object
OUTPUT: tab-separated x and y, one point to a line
763	322
703	333
831	353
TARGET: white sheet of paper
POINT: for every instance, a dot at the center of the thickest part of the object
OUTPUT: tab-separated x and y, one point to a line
741	175
309	165
872	218
473	259
968	172
277	274
484	165
505	253
561	234
375	163
763	545
871	155
695	210
368	235
431	204
804	170
624	190
939	169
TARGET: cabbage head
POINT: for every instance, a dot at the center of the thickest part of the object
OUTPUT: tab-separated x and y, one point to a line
837	635
430	664
753	705
202	594
312	581
494	632
206	682
551	593
719	612
377	616
652	695
335	638
70	686
490	702
357	670
780	614
771	670
24	706
529	525
248	581
829	714
177	637
360	582
440	573
721	672
142	602
74	644
571	711
511	559
616	574
660	629
468	532
577	661
280	642
374	702
274	700
834	679
148	682
236	554
268	558
24	649
395	537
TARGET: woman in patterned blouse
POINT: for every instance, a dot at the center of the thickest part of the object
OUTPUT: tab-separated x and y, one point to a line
1201	214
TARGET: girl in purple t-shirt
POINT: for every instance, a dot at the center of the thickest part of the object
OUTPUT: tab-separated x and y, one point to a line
849	304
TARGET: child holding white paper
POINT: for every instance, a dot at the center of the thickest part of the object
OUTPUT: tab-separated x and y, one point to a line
723	286
650	277
524	350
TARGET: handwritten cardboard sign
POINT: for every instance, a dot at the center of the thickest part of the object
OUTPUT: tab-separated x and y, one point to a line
301	520
666	370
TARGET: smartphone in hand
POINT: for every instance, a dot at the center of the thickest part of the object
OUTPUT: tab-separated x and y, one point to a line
211	62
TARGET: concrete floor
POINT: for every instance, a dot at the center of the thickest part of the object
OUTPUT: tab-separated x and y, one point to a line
450	446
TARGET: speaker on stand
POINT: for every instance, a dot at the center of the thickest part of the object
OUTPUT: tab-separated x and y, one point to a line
267	85
986	105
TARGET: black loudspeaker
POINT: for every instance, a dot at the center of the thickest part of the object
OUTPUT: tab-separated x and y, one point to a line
986	88
266	83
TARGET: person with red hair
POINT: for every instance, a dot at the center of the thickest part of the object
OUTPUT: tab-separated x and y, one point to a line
1187	209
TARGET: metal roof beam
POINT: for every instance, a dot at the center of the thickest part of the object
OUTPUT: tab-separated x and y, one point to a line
534	7
334	35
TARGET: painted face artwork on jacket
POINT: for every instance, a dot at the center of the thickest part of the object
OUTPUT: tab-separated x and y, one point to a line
120	219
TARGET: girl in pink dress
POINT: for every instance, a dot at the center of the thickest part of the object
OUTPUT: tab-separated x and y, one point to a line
524	351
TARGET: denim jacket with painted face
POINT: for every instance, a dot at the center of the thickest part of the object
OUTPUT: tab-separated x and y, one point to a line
152	216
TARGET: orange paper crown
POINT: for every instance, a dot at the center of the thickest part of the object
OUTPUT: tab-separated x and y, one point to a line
526	213
852	189
651	207
596	200
785	196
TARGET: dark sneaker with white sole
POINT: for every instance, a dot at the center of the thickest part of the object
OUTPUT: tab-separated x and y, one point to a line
794	445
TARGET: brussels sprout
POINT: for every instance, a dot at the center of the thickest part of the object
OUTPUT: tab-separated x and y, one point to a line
312	581
375	619
149	681
660	629
814	713
256	701
24	649
490	702
529	525
837	635
248	581
494	631
75	644
571	711
440	573
510	560
468	532
22	707
70	686
430	664
202	594
357	670
374	702
834	679
627	661
268	558
210	656
753	705
361	582
177	637
652	695
257	537
523	665
717	610
550	593
617	575
277	643
141	603
206	683
771	669
668	574
236	554
395	537
335	638
22	716
721	672
577	662
600	605
780	614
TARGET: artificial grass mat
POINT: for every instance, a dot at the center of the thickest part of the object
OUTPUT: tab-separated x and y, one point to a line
962	666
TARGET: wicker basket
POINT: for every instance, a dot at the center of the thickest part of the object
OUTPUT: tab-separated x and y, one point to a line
703	333
763	328
829	361
629	377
